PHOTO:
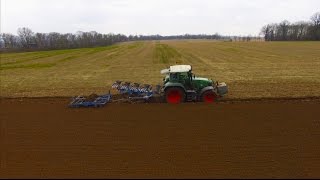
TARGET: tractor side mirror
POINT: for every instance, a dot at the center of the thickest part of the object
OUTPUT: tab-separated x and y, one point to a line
194	76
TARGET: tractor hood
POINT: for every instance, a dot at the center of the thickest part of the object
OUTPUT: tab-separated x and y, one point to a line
204	81
201	79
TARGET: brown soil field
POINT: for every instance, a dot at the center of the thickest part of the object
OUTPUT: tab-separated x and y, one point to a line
43	138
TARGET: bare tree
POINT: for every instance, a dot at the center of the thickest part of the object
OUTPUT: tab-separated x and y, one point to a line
41	40
283	30
26	37
10	40
315	19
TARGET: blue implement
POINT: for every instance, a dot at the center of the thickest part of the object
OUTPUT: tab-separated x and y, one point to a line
81	101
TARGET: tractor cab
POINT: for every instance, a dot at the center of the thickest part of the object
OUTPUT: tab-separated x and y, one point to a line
178	74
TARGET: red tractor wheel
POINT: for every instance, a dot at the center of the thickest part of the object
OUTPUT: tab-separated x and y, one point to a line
209	97
175	95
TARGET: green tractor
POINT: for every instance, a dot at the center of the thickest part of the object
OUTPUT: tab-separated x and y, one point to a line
181	85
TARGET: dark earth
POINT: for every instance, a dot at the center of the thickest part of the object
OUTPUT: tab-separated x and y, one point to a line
43	138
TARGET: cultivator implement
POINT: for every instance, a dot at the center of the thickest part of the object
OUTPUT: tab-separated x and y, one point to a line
98	101
135	90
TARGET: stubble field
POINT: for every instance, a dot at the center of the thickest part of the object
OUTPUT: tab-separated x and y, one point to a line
252	70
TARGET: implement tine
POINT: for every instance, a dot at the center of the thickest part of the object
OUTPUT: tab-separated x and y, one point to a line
125	86
136	86
116	84
148	87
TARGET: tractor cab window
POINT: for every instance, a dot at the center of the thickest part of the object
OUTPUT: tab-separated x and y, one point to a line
174	76
183	76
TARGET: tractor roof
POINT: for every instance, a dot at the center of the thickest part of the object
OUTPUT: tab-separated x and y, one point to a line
177	69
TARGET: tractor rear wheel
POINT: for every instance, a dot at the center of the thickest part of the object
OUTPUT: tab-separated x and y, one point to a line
208	97
175	95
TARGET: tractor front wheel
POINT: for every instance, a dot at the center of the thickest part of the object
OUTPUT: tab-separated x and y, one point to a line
175	95
208	97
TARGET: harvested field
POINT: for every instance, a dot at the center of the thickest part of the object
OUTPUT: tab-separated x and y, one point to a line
42	138
251	69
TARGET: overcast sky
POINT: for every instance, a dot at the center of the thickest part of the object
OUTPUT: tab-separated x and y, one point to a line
165	17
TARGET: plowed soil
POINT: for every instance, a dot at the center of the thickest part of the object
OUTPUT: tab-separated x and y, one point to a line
43	138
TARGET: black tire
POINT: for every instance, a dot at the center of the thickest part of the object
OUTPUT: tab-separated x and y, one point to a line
175	95
209	97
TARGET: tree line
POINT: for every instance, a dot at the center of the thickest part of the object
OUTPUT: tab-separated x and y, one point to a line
297	31
28	40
